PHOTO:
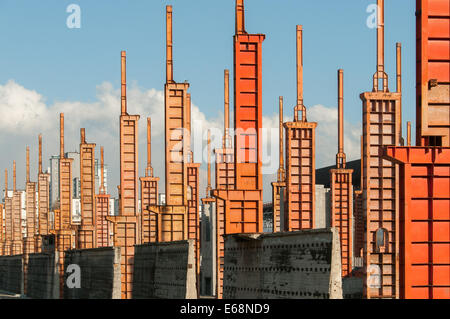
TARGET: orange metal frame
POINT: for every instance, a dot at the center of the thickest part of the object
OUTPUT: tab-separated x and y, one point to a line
87	237
433	73
425	221
381	127
103	226
17	237
43	201
300	159
342	190
224	179
279	187
126	225
149	196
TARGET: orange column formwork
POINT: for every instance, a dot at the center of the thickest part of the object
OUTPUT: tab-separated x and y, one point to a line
173	217
178	219
7	248
279	187
433	73
358	213
43	201
149	196
2	237
224	179
17	237
64	233
126	225
8	219
342	190
103	226
300	159
425	221
29	242
87	234
381	127
193	213
243	205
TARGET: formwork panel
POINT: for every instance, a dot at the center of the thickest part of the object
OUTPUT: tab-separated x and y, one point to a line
300	176
381	127
425	244
125	235
149	197
433	72
248	110
129	164
193	211
176	116
65	192
87	231
103	226
43	205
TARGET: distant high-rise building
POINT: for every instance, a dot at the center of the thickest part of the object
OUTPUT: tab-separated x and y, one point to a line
54	180
98	174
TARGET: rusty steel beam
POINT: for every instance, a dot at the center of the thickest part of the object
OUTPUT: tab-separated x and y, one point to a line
193	220
300	159
126	225
87	237
103	226
8	219
433	73
279	187
425	237
381	127
342	191
149	195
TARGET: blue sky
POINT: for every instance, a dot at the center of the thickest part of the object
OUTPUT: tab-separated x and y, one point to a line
41	54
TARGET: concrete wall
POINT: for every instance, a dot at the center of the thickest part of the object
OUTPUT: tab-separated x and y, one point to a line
43	277
164	270
11	274
295	265
99	273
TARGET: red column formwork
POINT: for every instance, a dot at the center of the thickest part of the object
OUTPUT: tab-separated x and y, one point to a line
424	221
433	72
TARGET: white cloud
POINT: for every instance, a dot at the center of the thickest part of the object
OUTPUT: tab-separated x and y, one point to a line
24	114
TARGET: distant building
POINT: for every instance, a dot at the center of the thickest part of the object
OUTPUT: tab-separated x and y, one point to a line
54	180
208	249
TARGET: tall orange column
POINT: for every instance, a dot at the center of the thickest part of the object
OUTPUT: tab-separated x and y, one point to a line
300	159
2	236
341	190
126	225
424	170
63	230
43	201
149	196
243	207
279	187
87	237
7	249
17	244
224	178
179	218
103	226
29	242
381	127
